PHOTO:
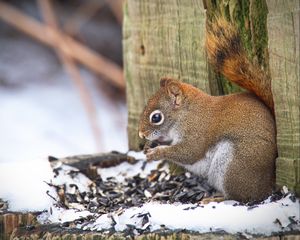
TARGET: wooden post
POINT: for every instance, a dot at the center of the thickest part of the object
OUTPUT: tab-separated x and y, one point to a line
283	30
161	38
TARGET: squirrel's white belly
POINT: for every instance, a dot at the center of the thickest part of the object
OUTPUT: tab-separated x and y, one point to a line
213	166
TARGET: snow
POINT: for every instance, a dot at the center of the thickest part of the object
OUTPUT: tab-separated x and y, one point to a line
127	170
24	185
65	176
206	218
71	177
136	155
62	215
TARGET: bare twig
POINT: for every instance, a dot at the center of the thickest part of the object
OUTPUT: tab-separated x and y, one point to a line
67	45
117	8
85	97
87	9
49	17
48	14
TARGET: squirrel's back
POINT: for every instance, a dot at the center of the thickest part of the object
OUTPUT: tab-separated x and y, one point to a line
226	54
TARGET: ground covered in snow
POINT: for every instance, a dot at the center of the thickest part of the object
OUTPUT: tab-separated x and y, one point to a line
135	198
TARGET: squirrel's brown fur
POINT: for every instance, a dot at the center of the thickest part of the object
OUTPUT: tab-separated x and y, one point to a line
228	139
226	54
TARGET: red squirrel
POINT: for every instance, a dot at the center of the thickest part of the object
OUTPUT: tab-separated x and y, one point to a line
231	139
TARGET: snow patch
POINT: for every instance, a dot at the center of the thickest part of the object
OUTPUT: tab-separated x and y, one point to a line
127	170
23	185
71	177
267	218
62	215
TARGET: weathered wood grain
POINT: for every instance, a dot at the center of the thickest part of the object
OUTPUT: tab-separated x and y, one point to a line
82	162
57	232
161	38
9	222
284	42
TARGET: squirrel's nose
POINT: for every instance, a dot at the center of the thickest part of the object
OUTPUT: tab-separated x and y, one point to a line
141	135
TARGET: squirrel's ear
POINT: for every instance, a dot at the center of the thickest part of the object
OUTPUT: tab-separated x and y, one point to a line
164	81
174	90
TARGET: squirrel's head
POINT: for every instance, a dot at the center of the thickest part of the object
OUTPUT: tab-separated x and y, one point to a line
162	112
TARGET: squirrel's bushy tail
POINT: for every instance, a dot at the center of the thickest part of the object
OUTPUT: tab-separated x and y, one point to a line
226	54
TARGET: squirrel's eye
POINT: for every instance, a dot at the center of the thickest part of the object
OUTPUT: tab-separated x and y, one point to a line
156	117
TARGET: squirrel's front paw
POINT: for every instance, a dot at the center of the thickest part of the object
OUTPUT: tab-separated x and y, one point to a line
155	153
149	145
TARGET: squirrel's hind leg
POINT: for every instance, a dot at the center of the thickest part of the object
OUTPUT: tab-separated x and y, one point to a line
250	174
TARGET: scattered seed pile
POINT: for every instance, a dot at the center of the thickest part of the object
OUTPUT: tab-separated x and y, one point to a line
105	195
109	195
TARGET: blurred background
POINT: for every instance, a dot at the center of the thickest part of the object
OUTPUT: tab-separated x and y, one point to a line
62	90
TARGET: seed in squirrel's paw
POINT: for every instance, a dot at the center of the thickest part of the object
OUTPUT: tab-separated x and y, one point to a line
153	144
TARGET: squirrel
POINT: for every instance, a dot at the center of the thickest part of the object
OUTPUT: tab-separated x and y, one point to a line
231	139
